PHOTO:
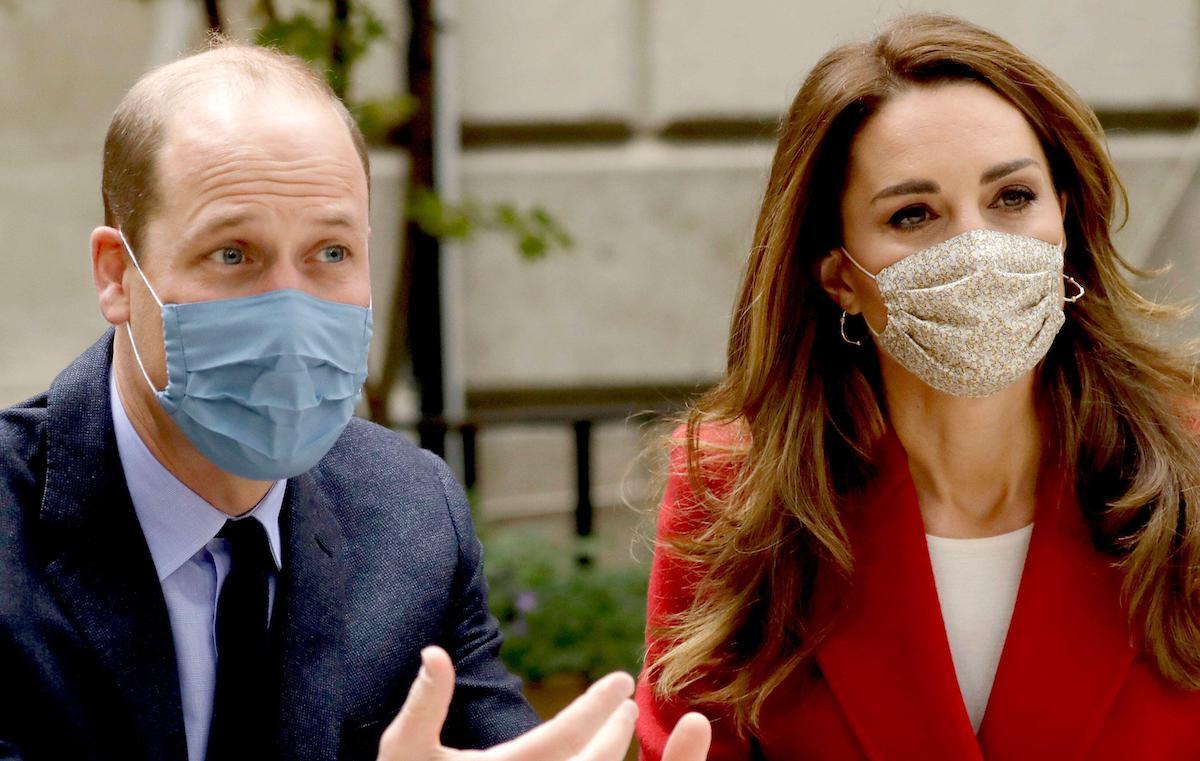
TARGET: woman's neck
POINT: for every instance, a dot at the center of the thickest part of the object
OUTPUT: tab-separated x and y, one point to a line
974	462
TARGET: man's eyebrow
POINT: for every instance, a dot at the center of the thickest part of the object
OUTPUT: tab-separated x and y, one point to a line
220	222
336	219
1000	170
908	187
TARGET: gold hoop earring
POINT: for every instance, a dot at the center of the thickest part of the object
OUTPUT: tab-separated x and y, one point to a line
1075	283
845	337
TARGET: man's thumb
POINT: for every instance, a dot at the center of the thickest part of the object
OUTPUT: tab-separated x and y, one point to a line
415	732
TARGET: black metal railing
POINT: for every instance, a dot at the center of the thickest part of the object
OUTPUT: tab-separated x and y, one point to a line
579	408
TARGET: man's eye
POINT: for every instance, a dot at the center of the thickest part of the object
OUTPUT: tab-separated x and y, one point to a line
332	254
909	217
229	256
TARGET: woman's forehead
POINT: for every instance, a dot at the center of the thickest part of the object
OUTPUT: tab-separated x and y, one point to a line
947	128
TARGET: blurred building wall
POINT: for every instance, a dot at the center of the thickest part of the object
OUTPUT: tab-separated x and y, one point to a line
641	125
662	178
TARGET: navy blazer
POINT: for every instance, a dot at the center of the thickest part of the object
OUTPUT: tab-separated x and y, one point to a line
379	560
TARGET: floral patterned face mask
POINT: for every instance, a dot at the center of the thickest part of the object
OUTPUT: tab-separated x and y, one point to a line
974	313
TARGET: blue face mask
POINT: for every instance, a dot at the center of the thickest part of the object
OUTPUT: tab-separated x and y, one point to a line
262	385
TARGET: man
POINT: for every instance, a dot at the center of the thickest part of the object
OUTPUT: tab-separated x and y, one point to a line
201	554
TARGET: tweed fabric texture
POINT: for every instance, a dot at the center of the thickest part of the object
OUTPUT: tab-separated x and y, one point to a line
973	313
380	559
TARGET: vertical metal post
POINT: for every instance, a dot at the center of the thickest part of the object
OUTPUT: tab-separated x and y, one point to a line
583	477
447	171
469	431
424	319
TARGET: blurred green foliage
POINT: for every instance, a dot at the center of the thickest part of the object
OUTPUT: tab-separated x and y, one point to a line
559	616
535	230
303	35
334	44
306	35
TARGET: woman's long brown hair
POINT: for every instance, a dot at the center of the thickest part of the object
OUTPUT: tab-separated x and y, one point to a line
798	412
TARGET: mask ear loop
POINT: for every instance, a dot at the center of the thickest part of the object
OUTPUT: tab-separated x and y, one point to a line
868	274
128	330
856	264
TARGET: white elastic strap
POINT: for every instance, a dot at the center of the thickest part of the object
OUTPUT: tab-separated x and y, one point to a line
138	267
129	330
856	264
138	357
868	274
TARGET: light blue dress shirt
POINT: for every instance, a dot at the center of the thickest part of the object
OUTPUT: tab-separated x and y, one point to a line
181	529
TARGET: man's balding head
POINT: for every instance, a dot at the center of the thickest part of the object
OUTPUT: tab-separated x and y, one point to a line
227	71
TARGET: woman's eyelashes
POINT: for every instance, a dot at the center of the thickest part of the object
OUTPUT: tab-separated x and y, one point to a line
911	217
1015	198
1010	200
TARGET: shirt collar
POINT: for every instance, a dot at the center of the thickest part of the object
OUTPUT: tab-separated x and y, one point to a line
177	522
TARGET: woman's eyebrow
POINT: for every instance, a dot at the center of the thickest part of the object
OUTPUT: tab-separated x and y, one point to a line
908	187
914	187
1000	170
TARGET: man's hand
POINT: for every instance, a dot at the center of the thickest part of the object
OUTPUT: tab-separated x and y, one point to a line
597	726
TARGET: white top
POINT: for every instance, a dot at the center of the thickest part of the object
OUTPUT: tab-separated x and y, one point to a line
977	582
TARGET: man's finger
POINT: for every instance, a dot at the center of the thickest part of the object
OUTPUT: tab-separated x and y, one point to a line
572	729
611	743
416	730
689	740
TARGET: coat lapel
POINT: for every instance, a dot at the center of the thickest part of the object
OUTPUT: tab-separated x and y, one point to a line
313	588
888	660
1068	647
99	564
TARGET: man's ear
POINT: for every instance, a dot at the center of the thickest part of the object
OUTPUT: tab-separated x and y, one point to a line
833	280
109	261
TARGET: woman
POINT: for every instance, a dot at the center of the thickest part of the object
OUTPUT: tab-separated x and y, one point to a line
945	471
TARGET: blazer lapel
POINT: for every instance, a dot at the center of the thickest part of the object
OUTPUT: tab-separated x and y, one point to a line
887	659
1068	647
98	562
313	588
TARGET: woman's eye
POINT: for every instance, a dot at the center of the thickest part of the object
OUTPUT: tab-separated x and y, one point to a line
910	217
332	254
1015	198
229	256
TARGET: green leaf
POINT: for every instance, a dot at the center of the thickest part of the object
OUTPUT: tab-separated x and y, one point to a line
532	246
508	217
435	217
298	35
377	117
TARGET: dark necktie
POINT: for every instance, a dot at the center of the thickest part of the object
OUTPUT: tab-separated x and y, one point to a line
242	719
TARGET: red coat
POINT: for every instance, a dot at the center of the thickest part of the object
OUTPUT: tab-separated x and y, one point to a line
1069	684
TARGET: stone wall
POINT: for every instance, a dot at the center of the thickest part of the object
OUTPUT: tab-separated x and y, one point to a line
641	125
